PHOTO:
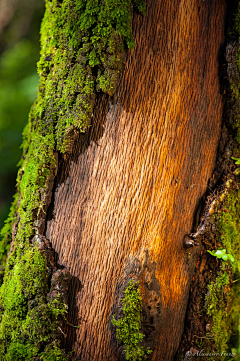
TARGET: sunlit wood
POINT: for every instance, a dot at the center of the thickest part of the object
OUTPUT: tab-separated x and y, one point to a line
124	202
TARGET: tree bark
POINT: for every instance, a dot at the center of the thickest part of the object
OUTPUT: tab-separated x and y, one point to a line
130	190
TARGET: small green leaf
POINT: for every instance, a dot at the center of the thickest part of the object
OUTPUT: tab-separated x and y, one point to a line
218	253
230	257
237	160
211	253
221	253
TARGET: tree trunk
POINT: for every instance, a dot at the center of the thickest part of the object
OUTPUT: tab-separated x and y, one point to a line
129	192
115	208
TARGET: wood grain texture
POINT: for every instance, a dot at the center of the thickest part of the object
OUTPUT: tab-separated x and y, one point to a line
134	181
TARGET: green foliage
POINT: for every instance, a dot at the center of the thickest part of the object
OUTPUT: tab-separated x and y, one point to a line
221	253
53	353
129	327
237	160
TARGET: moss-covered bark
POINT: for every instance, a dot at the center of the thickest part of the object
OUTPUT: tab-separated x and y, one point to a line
212	329
223	295
81	53
222	298
128	327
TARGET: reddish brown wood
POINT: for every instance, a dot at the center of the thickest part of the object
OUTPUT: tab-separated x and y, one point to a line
136	178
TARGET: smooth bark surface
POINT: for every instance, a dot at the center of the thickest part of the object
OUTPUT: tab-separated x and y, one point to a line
129	193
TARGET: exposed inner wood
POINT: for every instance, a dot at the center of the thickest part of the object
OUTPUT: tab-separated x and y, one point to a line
131	191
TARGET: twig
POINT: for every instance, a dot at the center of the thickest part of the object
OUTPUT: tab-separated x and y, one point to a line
62	332
207	338
70	324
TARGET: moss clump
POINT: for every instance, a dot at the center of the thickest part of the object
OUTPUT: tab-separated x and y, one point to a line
217	301
129	327
6	234
28	320
82	44
223	299
81	53
229	226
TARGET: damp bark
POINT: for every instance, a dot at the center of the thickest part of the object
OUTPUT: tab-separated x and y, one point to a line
129	192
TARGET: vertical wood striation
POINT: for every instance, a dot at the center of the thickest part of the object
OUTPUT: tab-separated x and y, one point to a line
135	179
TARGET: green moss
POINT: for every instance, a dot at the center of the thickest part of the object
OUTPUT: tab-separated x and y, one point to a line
224	294
129	327
223	299
81	53
235	87
82	43
229	226
216	302
28	320
6	234
81	47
